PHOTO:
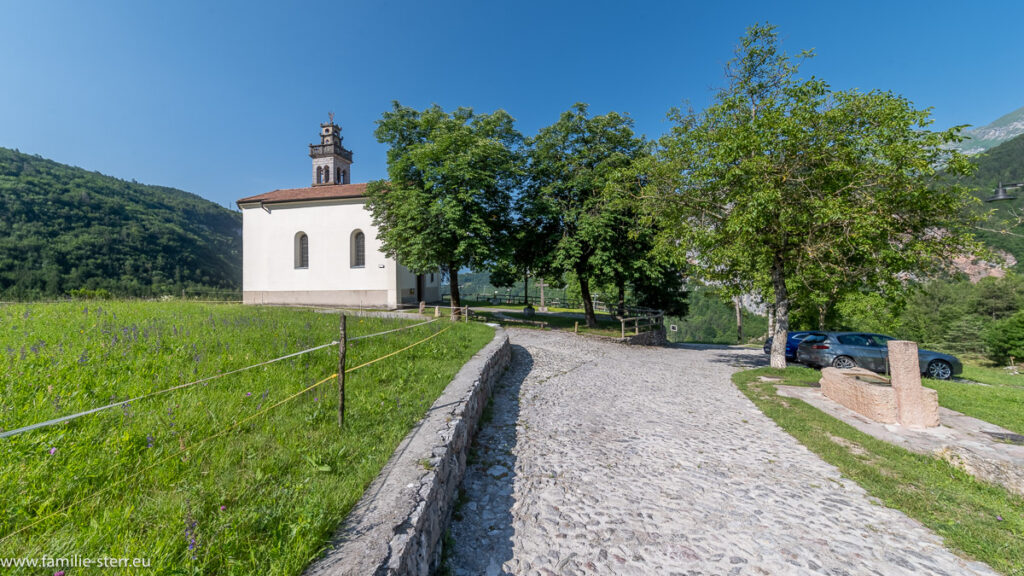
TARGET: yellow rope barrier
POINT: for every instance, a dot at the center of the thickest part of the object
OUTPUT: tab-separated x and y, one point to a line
202	442
397	351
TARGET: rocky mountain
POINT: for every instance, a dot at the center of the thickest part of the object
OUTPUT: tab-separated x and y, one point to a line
989	136
66	229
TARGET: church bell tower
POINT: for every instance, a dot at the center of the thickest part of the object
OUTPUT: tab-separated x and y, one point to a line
331	161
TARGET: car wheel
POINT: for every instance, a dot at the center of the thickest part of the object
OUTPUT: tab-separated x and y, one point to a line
843	363
940	370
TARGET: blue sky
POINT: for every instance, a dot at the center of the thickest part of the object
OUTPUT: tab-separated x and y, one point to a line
221	98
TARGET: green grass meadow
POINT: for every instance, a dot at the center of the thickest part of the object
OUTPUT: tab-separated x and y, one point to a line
145	480
1000	405
980	520
990	375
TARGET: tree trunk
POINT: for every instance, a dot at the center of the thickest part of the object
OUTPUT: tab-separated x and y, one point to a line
739	319
622	298
781	332
526	289
588	304
453	277
823	310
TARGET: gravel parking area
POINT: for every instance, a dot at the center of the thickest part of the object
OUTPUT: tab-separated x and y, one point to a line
601	458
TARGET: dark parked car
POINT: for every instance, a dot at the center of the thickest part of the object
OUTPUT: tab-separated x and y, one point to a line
792	341
850	349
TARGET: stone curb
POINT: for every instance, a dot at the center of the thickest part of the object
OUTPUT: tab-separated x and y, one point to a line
398	525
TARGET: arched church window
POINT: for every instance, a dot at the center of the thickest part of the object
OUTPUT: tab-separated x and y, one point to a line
338	180
301	250
358	255
319	174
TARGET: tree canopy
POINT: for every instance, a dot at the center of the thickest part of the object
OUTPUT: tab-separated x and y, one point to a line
451	177
576	171
796	189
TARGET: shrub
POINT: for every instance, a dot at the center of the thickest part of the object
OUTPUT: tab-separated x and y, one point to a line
1005	338
87	294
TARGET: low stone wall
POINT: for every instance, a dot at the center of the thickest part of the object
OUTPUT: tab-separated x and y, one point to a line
872	400
397	526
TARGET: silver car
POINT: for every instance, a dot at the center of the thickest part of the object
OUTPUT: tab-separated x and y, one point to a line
866	350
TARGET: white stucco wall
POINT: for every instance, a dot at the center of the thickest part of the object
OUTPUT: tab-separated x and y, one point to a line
268	256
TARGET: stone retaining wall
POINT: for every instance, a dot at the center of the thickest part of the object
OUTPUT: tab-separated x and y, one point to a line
397	526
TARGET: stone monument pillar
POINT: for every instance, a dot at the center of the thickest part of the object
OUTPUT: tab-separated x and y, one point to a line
915	404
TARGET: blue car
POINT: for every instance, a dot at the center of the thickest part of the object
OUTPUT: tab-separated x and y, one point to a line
793	340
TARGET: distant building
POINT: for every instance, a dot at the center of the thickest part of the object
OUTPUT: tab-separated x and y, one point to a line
318	245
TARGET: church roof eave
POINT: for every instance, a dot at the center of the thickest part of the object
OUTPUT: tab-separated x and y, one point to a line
323	192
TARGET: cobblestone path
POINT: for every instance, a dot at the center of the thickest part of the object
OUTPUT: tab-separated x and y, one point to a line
600	458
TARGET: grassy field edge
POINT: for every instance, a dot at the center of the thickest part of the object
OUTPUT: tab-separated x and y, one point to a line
155	480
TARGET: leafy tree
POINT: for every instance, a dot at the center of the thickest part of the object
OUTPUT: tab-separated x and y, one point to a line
997	298
529	251
447	200
573	162
789	185
1005	338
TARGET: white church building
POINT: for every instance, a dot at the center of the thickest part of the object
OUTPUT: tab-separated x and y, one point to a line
318	245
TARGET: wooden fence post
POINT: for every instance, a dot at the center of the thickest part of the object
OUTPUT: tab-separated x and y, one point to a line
341	373
437	311
465	318
576	327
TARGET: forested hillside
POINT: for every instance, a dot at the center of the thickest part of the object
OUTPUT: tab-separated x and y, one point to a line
64	228
1004	163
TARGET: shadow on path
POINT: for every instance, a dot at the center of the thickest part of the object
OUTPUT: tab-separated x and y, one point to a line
482	526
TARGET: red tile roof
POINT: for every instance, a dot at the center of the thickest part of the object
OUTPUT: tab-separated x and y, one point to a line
328	192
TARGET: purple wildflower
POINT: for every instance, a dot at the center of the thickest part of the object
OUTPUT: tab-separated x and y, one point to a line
149	440
190	530
53	451
58	573
223	508
998	517
247	394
